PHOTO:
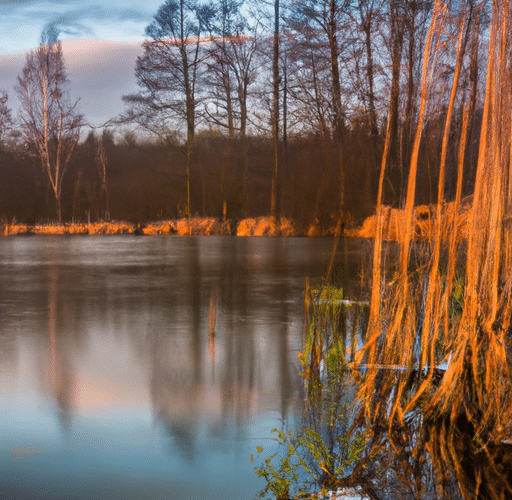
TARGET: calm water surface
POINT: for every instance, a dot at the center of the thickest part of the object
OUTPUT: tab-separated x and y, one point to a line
147	368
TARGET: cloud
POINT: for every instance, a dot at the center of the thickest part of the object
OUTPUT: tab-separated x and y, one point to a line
100	72
105	14
54	30
15	2
82	21
21	21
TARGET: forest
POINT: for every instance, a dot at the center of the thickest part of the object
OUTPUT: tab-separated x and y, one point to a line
246	110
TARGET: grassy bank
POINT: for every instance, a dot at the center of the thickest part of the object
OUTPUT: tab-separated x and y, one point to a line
198	226
392	226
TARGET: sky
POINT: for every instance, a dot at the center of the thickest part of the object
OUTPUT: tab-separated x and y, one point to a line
101	41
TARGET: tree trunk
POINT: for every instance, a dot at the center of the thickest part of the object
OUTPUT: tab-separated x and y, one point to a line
59	208
245	149
367	26
275	112
397	33
336	91
335	73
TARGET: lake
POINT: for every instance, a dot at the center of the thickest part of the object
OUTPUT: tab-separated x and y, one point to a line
150	367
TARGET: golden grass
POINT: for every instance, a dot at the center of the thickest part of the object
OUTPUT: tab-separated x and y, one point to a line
204	226
265	226
197	226
393	223
63	229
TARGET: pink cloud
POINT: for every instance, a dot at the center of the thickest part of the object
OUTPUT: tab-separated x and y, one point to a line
100	72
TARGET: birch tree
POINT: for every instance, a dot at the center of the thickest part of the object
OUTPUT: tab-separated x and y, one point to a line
50	121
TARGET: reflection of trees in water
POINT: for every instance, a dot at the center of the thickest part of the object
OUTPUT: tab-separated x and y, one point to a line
184	437
331	449
322	453
61	378
398	464
9	353
154	305
194	400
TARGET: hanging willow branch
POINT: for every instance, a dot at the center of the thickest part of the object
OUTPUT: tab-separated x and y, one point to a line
437	312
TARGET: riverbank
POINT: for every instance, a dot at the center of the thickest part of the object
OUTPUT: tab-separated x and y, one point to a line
394	222
393	226
196	226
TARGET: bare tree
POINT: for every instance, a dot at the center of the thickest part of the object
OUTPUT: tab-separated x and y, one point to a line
275	110
321	27
368	12
220	74
231	69
50	121
168	73
243	50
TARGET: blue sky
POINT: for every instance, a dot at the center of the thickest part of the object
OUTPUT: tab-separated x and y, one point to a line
101	40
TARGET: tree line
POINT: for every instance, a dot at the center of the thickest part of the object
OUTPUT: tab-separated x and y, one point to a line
269	108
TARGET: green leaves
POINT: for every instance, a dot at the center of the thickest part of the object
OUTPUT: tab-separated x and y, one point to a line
320	454
310	462
281	478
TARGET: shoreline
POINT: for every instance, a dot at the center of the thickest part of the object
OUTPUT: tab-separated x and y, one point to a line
393	226
196	226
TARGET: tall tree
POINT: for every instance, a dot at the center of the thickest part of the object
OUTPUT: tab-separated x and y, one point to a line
275	109
169	71
367	13
396	38
243	49
323	21
231	69
49	119
220	74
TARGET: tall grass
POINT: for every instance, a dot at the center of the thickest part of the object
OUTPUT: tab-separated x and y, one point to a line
462	419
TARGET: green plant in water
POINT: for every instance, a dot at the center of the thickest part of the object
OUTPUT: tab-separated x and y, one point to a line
313	463
280	480
328	292
321	454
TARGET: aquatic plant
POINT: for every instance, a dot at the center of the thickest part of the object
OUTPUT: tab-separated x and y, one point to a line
322	453
312	464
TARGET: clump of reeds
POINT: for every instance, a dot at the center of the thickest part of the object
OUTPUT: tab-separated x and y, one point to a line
265	226
393	222
449	306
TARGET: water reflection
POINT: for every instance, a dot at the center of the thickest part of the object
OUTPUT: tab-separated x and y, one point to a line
60	370
178	353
